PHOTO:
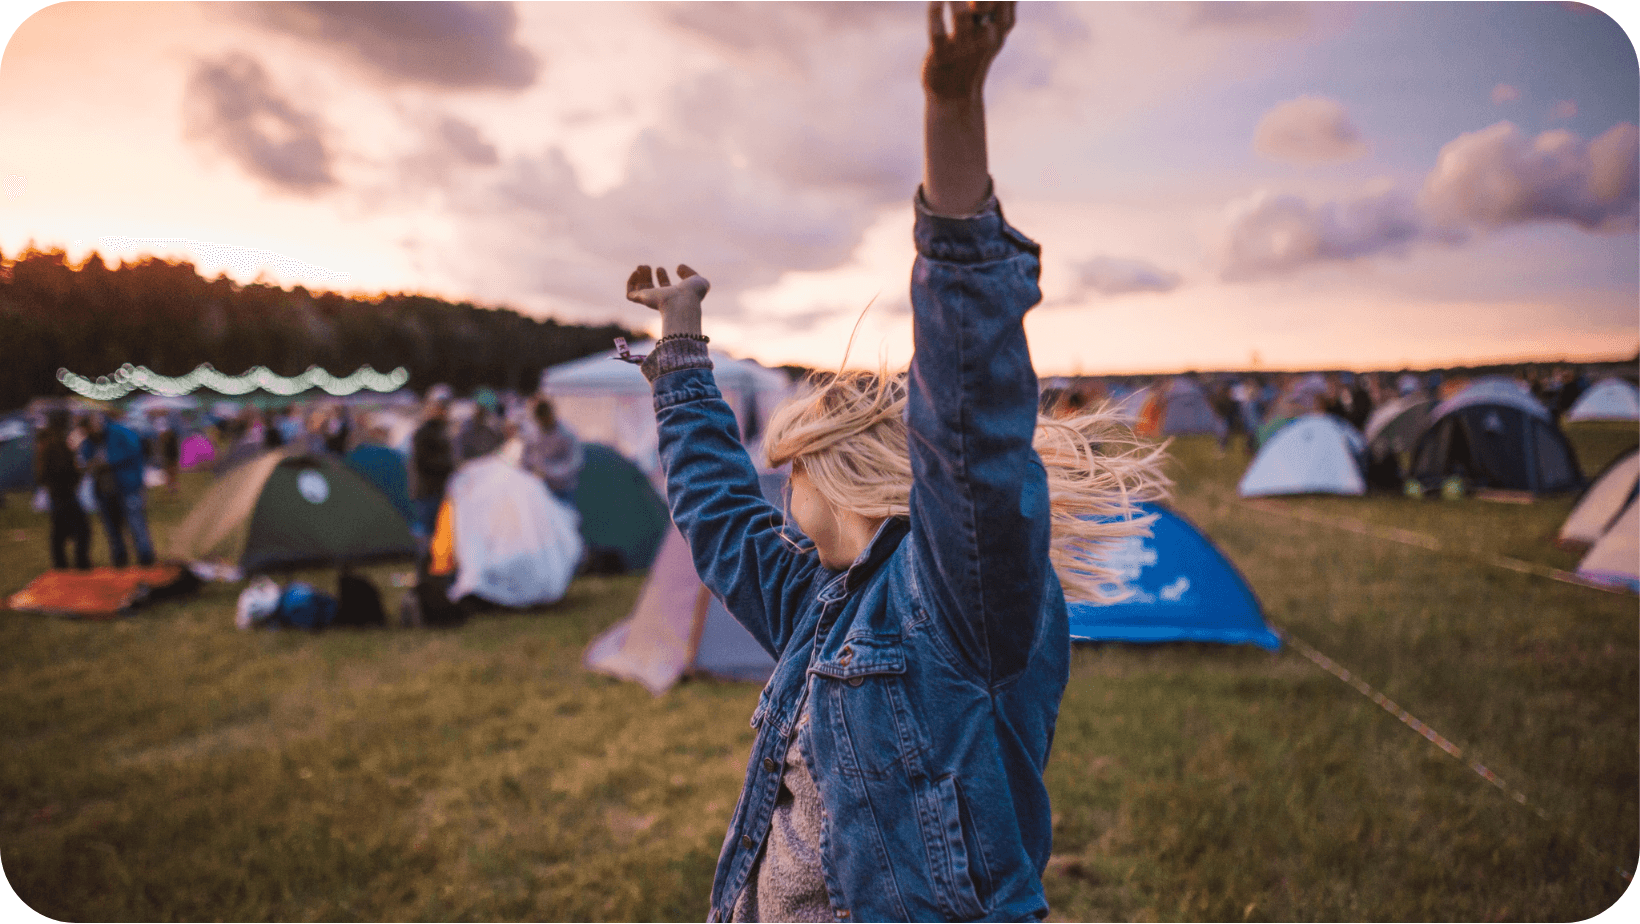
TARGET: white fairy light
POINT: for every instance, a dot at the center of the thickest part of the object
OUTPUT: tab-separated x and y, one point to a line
129	378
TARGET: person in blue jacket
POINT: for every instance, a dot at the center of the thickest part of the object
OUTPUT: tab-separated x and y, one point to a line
917	614
114	457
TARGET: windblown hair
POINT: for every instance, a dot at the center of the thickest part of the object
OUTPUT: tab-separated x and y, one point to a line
847	433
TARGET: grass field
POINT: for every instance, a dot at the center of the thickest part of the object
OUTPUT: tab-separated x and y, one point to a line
167	766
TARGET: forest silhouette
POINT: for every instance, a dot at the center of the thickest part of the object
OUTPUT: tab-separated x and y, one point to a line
91	319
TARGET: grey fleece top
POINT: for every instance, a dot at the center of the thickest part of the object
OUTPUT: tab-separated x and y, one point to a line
790	884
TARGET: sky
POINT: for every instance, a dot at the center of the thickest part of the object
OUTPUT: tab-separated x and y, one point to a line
1214	185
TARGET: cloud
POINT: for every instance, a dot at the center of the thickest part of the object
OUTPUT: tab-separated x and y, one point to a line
1309	129
1498	177
1504	93
1282	19
1482	181
454	45
1118	276
1565	109
233	104
1269	234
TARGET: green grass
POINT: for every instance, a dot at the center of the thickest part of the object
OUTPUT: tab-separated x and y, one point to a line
168	766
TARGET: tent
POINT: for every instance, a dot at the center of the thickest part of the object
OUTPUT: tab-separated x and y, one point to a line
1315	454
285	510
1612	490
515	544
608	401
1395	426
1183	590
623	518
16	453
1128	406
1614	559
1179	407
385	469
1494	434
1607	399
678	627
197	451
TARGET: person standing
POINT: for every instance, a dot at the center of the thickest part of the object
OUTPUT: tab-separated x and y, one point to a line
56	470
113	455
432	459
917	613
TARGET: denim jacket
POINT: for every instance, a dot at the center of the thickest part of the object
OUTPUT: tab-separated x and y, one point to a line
933	666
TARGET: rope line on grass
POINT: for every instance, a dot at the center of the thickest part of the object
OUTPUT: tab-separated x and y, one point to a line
1423	728
1424	541
1407	718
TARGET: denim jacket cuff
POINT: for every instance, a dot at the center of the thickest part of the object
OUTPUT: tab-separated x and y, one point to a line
675	356
979	238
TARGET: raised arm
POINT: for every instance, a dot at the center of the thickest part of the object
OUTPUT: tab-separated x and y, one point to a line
736	538
956	174
979	502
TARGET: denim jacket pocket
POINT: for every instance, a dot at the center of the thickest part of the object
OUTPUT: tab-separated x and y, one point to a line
860	658
956	872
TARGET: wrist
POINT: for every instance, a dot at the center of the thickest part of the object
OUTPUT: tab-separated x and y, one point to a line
683	321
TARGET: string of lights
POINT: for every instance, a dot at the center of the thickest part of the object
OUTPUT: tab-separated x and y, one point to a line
129	378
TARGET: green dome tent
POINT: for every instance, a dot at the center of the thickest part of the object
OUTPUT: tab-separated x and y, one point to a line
285	510
623	519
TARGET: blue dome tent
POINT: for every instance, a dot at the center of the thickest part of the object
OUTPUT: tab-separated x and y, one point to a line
1184	590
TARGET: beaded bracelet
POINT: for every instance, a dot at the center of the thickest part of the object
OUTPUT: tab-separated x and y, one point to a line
700	337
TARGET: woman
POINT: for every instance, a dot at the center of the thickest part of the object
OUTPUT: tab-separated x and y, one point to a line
918	622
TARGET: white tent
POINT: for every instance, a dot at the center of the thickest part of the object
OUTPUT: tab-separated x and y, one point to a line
678	627
515	544
1601	504
605	400
1607	399
1615	558
1315	454
1129	406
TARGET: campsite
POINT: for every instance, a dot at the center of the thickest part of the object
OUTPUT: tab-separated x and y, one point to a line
165	765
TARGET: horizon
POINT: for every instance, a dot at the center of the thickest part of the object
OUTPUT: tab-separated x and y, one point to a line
1265	187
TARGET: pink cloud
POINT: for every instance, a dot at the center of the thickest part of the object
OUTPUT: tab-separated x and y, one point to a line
1498	176
1504	93
1565	109
1309	129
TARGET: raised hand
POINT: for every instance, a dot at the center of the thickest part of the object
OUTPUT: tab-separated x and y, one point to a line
956	173
959	59
679	305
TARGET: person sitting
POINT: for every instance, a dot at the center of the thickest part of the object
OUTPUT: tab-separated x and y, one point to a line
554	454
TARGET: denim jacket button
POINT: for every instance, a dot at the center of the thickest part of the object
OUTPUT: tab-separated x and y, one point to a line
856	681
768	764
746	841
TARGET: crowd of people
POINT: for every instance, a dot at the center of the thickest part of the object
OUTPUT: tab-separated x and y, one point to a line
98	463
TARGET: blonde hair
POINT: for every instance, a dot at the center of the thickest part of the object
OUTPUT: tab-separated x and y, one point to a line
846	432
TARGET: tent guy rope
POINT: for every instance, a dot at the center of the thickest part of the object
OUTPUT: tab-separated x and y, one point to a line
1423	728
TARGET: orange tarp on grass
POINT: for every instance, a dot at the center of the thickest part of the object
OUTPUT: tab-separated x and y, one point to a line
100	593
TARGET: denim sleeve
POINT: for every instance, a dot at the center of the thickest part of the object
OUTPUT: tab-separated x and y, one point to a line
979	496
734	535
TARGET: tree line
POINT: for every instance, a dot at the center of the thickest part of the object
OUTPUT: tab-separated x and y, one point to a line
164	315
